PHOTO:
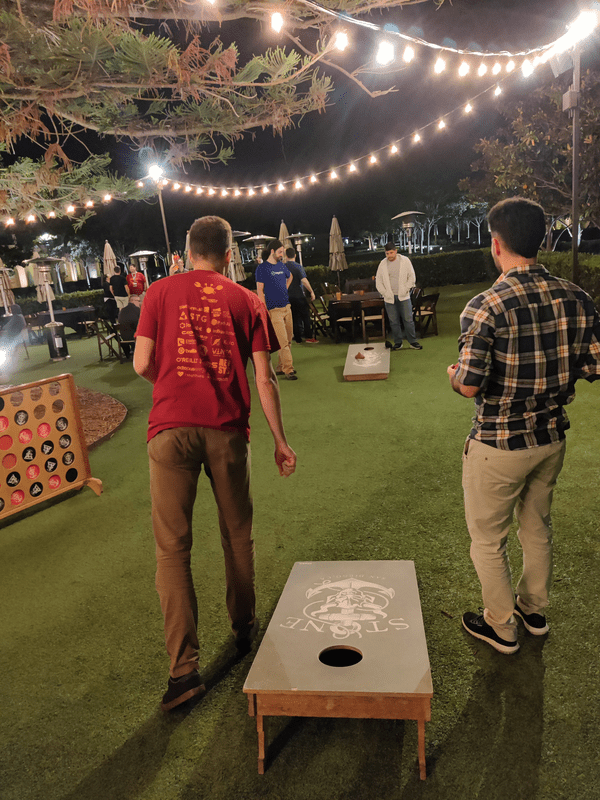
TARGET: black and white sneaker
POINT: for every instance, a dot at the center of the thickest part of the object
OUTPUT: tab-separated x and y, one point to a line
397	346
416	346
476	625
534	623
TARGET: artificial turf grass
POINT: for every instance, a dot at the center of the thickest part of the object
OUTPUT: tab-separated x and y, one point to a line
378	477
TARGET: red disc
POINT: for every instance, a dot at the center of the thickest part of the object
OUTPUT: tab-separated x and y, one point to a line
54	482
44	430
25	436
17	497
3	423
6	442
32	471
9	461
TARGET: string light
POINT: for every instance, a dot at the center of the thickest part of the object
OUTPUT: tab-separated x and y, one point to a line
70	209
140	184
280	187
468	108
385	53
341	41
52	214
333	174
463	69
251	192
496	68
165	182
265	189
199	190
188	188
224	192
352	167
373	160
10	221
510	66
107	198
440	65
237	193
211	191
441	124
277	21
393	149
408	54
482	70
497	91
31	218
416	138
176	186
526	68
297	185
313	178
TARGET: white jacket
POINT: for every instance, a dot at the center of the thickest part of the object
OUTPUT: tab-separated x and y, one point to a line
406	274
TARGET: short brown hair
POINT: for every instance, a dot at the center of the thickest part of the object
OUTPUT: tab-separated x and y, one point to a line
520	223
210	237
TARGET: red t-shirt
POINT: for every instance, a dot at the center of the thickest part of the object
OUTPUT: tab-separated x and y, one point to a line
136	282
205	328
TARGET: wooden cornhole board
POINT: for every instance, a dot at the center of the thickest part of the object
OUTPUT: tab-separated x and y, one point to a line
375	367
336	610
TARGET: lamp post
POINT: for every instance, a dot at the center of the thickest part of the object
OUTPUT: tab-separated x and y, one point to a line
156	173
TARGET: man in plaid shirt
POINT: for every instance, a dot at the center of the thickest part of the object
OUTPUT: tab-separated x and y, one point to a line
524	343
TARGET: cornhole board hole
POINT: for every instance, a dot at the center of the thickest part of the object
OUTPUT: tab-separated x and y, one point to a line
373	366
42	444
346	640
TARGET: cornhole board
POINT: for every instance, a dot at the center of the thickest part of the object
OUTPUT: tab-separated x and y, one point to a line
42	444
340	612
374	367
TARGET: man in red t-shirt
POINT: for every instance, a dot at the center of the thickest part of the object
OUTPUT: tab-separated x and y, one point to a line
196	333
136	281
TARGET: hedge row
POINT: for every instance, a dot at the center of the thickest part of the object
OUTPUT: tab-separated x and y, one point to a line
30	305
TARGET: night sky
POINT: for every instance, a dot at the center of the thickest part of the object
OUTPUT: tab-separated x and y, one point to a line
355	124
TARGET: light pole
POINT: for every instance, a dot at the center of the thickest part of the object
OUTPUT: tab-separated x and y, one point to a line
156	173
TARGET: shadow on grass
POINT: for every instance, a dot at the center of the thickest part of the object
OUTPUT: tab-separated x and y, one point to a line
494	750
135	765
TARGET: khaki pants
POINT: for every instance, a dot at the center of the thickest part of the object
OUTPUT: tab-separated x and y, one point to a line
121	301
496	484
284	328
176	458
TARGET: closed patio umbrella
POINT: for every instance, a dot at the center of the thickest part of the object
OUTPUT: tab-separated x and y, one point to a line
110	260
284	236
337	257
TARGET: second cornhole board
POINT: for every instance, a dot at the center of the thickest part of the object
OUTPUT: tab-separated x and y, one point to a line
364	615
374	367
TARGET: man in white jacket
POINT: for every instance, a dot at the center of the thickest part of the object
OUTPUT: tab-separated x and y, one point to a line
394	280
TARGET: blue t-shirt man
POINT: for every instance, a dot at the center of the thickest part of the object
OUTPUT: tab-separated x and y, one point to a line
274	278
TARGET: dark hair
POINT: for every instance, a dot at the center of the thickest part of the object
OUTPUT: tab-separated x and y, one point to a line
210	237
274	244
390	246
290	252
265	253
117	270
520	223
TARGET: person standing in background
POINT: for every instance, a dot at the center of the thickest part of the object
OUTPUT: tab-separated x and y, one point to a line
302	322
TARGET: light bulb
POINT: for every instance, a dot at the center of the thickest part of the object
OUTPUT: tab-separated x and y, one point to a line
341	41
440	65
408	54
352	168
385	53
276	21
313	178
510	66
297	185
416	138
497	91
463	69
333	174
526	68
393	149
496	68
482	70
441	124
468	108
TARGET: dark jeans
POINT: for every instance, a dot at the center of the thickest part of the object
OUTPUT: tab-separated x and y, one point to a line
301	318
401	310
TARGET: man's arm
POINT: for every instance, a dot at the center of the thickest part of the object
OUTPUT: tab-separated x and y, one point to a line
460	388
268	393
288	281
260	291
306	284
143	358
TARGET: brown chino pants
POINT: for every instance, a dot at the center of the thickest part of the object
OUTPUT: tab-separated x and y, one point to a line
176	459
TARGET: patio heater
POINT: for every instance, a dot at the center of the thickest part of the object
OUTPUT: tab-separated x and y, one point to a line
297	239
55	331
408	225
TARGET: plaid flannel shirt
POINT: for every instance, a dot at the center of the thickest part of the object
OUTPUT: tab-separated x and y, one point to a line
525	342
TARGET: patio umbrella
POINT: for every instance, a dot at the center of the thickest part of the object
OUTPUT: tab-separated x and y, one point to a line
337	257
110	260
42	277
8	298
236	269
284	236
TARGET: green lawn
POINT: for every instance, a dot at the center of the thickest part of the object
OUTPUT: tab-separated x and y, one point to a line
82	654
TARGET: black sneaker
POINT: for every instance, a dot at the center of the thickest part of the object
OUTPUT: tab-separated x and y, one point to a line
291	376
181	689
243	642
534	623
397	346
478	627
416	346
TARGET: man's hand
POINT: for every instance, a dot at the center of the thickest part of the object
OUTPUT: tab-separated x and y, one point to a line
459	388
451	370
285	458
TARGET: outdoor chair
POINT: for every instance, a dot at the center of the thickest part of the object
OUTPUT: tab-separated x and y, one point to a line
35	331
319	316
349	316
372	311
107	336
425	313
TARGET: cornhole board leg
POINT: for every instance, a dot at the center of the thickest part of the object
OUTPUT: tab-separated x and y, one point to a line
371	608
361	369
